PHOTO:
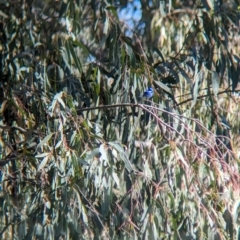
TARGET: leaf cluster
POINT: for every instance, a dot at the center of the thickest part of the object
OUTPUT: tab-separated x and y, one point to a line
82	157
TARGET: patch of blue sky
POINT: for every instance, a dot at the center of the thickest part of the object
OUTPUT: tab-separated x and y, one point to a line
130	15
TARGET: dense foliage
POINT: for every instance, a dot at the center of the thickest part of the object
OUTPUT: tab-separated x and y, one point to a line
82	156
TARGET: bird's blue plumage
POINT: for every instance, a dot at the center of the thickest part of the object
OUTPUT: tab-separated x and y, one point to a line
148	93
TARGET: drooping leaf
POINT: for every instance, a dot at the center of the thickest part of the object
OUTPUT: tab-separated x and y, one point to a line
42	155
75	58
123	155
45	140
43	163
215	83
81	45
198	79
163	86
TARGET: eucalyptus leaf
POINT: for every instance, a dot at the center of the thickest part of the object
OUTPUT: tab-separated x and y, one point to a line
215	83
45	140
43	163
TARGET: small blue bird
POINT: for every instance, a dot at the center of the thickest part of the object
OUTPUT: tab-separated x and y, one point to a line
147	94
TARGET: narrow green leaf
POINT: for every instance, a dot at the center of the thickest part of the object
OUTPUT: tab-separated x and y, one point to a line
97	85
195	88
73	135
75	58
153	231
106	26
84	215
60	72
123	155
65	55
103	151
215	83
45	140
58	97
81	45
181	157
116	179
42	155
130	53
163	86
105	202
113	10
43	163
58	144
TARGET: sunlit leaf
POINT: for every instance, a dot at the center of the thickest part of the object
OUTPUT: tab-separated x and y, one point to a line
43	163
58	144
215	83
42	155
163	86
199	77
76	59
45	140
106	26
79	44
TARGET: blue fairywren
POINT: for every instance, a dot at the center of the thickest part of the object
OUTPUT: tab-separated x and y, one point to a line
147	94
